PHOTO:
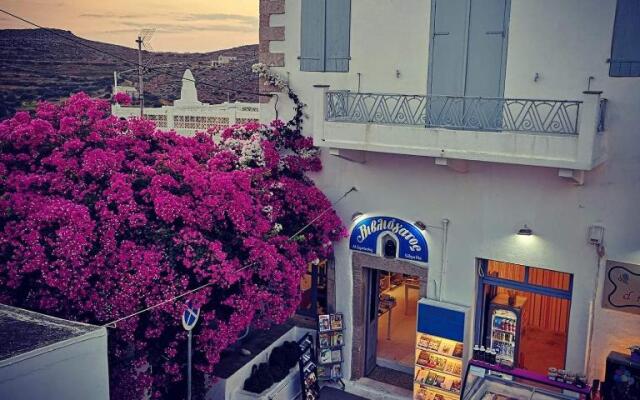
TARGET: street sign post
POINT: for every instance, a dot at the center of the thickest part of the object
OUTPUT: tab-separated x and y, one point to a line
189	319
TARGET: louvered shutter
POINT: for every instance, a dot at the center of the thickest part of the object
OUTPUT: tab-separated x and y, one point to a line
338	28
312	41
625	49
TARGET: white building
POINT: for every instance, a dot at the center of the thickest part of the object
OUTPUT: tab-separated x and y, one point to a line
476	117
222	60
42	357
188	115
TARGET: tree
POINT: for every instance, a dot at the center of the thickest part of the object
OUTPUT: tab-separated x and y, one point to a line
101	217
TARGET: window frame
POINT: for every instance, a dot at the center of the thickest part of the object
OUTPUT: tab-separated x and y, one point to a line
325	58
482	266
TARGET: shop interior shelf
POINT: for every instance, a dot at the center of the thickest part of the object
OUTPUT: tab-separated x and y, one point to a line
437	389
437	370
438	353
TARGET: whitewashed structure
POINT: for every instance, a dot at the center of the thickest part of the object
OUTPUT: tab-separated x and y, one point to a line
476	117
42	357
223	60
188	115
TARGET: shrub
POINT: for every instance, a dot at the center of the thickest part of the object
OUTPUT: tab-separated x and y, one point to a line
101	217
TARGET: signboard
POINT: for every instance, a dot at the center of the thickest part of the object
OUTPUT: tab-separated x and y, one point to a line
412	243
622	287
190	317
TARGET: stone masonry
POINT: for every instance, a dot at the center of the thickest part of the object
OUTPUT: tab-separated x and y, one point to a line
268	34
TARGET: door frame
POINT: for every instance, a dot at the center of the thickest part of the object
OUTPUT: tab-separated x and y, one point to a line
371	306
505	46
359	262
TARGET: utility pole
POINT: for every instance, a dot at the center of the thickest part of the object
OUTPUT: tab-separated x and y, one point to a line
143	41
140	79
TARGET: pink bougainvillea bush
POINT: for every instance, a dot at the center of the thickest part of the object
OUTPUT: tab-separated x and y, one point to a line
101	217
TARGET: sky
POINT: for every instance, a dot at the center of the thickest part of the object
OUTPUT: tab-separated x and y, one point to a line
180	26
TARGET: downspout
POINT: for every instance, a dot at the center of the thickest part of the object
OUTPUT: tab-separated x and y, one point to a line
600	252
443	267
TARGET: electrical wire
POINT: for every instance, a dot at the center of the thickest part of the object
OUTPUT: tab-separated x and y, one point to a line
113	324
53	32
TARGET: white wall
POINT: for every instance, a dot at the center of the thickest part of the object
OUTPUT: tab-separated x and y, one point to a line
566	42
75	369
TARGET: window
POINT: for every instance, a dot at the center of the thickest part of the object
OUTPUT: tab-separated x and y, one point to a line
625	47
313	285
535	302
325	27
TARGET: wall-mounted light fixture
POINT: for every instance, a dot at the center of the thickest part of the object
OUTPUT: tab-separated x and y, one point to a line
525	231
421	225
356	215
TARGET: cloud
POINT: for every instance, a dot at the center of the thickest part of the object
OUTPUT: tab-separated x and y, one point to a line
245	19
183	28
116	16
177	23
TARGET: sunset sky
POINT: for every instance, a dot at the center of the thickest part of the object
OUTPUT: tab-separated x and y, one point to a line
182	26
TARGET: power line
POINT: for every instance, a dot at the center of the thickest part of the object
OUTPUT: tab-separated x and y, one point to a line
137	65
113	324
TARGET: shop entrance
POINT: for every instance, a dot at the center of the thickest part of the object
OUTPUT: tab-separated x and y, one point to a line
523	314
386	292
391	320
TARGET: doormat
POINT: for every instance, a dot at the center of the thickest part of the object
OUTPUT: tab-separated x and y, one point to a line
392	377
332	393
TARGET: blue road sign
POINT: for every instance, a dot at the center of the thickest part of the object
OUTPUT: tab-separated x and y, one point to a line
190	317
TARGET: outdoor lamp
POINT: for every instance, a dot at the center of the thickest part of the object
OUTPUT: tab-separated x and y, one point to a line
356	215
525	231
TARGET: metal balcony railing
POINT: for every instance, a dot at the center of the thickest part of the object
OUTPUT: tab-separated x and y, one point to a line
464	113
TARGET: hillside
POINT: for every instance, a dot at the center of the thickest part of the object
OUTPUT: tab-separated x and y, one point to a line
38	65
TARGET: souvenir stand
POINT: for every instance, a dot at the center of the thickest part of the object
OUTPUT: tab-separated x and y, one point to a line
308	369
439	353
330	345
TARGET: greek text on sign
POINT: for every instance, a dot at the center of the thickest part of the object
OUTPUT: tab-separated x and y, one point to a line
412	244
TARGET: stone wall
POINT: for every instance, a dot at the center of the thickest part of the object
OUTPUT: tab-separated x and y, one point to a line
268	34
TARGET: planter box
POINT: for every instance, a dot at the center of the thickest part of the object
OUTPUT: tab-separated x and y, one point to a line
286	389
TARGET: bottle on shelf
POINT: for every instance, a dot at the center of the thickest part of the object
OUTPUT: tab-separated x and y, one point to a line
595	390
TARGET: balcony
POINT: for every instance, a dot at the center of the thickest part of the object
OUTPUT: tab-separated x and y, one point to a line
564	134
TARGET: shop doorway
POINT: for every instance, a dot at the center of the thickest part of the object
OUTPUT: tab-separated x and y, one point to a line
386	292
392	300
523	314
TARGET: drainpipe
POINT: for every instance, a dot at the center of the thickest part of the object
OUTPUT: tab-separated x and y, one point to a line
443	267
600	250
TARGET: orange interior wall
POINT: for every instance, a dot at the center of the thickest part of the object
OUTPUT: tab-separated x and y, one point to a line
544	312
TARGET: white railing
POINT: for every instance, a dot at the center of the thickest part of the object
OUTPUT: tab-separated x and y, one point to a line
187	121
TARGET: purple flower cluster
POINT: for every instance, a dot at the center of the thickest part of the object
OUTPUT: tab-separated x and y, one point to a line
101	217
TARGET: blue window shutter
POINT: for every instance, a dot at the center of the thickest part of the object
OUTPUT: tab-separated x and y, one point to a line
448	47
312	41
625	49
338	23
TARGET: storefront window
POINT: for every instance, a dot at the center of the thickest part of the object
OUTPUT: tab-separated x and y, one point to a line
504	270
313	285
524	314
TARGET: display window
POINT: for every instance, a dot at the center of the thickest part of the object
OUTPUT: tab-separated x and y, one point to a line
313	285
523	314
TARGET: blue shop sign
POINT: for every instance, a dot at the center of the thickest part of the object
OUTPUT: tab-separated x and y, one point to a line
412	244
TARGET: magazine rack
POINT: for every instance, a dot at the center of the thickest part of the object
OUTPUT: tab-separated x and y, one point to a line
308	369
330	345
